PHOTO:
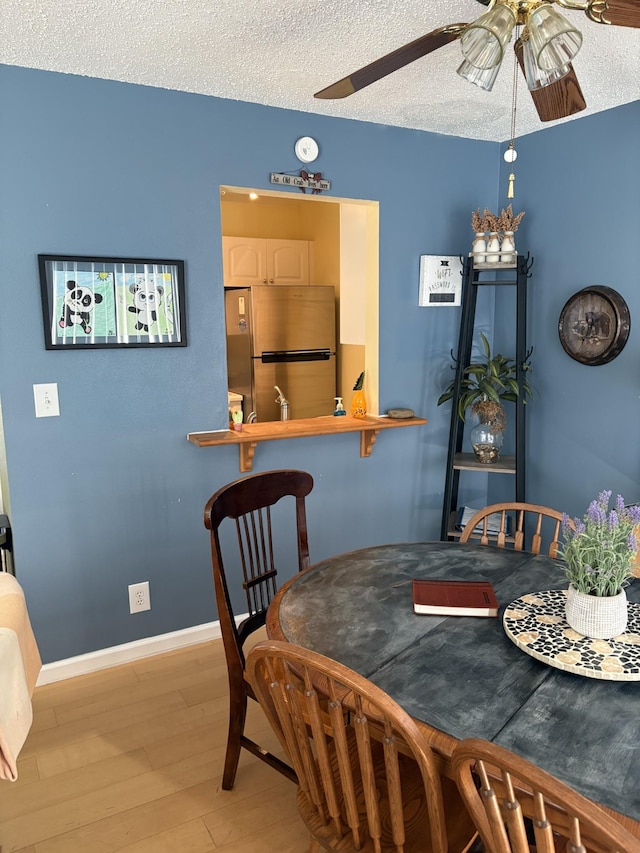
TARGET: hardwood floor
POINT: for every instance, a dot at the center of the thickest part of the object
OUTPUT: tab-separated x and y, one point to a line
130	759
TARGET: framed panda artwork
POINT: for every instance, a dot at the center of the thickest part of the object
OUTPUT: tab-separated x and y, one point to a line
111	302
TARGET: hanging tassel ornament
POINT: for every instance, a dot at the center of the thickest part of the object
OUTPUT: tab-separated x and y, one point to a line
510	155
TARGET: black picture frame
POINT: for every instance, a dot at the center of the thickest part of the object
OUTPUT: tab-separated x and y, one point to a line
98	302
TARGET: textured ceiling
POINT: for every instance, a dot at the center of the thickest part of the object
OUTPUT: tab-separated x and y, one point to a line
279	52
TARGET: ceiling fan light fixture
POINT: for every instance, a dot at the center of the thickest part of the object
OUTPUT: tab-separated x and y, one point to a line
484	40
484	78
536	77
555	41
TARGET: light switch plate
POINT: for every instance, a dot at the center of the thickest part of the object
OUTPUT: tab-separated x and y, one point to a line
46	400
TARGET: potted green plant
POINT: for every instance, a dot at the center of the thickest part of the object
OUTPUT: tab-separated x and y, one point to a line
599	553
484	386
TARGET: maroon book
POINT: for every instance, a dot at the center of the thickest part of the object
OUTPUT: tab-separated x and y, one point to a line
454	598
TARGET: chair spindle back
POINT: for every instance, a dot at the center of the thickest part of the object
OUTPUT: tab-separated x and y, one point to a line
518	808
367	776
514	521
248	503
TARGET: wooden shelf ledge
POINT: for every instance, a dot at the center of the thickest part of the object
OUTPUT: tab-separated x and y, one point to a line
469	462
251	435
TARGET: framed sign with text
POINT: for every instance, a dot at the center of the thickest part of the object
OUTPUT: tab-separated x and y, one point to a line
440	281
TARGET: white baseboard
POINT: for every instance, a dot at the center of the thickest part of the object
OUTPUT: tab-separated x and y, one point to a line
127	652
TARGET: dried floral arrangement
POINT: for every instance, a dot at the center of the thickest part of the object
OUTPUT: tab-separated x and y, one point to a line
487	221
477	221
508	221
492	221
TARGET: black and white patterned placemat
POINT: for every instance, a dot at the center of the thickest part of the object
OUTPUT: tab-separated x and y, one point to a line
536	624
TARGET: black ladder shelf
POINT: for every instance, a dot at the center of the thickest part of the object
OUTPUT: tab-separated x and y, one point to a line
473	277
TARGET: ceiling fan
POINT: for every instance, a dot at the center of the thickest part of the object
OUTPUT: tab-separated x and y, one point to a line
546	44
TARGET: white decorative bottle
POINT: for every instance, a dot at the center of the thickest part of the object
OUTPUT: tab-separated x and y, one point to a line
508	248
479	247
493	248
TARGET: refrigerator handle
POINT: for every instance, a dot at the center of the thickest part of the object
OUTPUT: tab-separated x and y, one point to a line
280	356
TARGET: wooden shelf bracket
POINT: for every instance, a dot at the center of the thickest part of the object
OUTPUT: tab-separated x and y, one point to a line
247	452
367	440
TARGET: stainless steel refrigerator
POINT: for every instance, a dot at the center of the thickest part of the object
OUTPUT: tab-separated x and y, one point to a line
282	335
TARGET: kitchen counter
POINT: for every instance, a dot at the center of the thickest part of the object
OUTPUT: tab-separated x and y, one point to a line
251	435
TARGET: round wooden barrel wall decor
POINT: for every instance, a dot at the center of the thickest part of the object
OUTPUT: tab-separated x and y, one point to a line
594	325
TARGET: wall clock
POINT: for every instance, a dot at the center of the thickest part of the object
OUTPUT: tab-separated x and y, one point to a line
594	325
306	149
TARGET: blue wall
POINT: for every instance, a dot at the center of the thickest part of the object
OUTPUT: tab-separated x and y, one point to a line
111	493
579	183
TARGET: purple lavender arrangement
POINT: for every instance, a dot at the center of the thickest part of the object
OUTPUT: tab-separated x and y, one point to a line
600	551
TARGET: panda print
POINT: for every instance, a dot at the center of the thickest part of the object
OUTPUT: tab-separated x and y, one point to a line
146	300
78	303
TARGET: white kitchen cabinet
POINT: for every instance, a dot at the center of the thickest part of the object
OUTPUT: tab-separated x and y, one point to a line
254	260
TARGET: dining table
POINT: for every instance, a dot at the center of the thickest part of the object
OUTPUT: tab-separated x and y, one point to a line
464	676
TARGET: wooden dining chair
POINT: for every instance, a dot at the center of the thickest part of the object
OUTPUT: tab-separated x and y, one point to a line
507	528
367	778
248	502
517	807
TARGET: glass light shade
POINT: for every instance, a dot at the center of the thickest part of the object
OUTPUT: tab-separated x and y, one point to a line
482	77
483	42
536	77
555	40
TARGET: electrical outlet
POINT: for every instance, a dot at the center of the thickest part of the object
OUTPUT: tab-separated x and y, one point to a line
139	599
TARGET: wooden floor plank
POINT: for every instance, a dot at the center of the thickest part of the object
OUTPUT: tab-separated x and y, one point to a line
282	839
177	723
66	786
70	689
44	720
192	837
130	759
29	773
139	692
140	824
87	808
237	820
105	723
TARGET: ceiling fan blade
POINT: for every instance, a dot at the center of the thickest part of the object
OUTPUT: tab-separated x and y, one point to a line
392	62
620	13
558	100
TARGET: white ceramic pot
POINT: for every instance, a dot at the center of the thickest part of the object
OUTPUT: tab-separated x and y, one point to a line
594	616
